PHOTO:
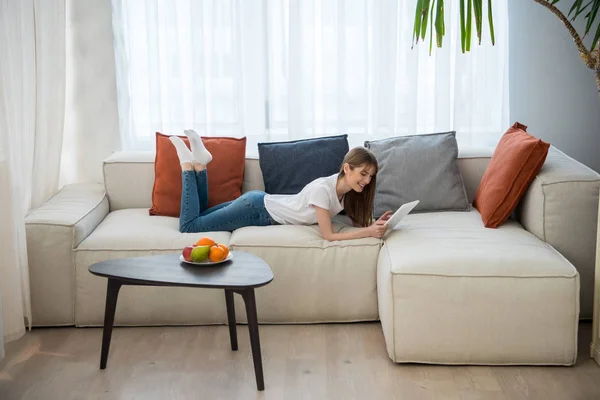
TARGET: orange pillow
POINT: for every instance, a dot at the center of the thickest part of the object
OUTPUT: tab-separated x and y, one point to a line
225	173
515	163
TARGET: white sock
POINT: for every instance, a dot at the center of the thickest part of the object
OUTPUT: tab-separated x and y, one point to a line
198	150
184	154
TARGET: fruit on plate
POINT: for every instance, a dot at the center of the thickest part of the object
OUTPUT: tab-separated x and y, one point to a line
205	249
200	253
205	241
218	252
225	249
187	252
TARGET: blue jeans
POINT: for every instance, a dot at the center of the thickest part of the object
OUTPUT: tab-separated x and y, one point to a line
247	210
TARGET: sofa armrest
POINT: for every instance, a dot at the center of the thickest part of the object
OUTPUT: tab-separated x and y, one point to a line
53	230
561	208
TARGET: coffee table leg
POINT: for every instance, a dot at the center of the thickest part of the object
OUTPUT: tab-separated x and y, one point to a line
112	292
231	319
250	301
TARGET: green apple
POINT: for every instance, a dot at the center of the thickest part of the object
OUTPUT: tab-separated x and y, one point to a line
200	253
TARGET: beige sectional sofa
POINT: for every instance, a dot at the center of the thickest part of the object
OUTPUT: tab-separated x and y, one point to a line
446	289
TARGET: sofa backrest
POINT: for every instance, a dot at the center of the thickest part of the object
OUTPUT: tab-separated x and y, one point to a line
129	176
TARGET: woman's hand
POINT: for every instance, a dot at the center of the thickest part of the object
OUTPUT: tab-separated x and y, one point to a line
386	215
377	229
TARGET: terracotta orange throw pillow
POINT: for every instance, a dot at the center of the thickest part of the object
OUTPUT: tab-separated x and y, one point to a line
225	173
515	163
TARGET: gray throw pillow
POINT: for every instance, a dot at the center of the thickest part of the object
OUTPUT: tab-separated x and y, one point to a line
418	167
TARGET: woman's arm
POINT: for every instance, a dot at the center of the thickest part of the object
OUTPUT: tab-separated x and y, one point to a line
387	215
324	219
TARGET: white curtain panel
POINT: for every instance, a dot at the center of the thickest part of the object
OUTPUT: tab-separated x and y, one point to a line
288	69
32	76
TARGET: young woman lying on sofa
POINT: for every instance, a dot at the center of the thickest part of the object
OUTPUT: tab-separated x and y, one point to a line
352	190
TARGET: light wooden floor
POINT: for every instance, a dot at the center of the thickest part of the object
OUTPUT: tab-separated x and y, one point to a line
334	361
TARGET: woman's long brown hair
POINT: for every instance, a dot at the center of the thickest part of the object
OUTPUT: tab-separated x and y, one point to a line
359	205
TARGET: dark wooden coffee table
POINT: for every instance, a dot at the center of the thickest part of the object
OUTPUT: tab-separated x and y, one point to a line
240	275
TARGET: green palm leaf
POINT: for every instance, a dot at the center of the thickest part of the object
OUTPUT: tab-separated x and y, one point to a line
425	19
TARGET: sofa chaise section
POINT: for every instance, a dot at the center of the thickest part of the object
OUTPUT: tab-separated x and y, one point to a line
453	292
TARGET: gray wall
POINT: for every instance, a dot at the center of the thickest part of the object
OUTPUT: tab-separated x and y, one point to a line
551	90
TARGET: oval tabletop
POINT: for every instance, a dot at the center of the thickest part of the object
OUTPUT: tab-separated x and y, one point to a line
245	270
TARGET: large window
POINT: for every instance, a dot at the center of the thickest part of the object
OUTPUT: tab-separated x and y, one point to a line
288	69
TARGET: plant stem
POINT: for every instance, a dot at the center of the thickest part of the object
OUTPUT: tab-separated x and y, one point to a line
586	55
596	51
598	80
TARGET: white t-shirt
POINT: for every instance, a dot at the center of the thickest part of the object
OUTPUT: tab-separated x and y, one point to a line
297	209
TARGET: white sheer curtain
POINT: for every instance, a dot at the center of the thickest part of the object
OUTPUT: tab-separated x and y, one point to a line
32	78
188	63
287	69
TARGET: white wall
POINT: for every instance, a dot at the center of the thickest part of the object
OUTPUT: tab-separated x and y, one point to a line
551	90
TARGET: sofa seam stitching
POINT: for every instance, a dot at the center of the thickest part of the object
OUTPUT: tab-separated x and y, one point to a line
570	181
474	157
576	313
459	363
44	202
73	277
543	212
104	182
393	307
178	249
576	161
306	247
489	276
78	220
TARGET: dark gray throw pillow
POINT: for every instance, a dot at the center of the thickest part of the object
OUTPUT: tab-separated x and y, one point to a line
418	167
289	166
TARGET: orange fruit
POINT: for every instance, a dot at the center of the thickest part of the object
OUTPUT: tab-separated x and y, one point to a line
225	249
205	241
216	254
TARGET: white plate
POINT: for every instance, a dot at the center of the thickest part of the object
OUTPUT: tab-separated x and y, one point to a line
229	257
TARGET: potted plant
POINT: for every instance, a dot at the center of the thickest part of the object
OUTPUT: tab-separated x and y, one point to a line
430	14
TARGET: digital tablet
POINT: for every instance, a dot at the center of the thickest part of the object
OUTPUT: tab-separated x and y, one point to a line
401	213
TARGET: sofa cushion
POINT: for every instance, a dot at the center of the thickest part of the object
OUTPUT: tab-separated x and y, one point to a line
225	173
315	280
134	229
289	166
134	233
452	291
515	163
129	176
457	244
418	167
